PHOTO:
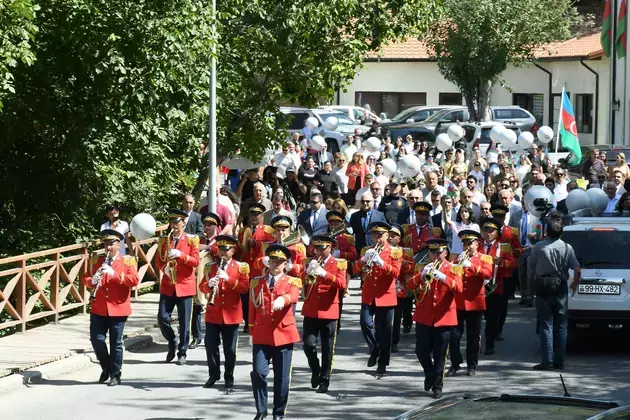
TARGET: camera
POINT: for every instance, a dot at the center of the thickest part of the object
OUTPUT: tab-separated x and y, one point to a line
543	205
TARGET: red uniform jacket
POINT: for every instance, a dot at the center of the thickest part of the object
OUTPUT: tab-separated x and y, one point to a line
322	299
262	234
269	327
344	243
507	266
438	307
227	307
511	235
406	269
473	298
185	268
379	287
416	242
114	293
298	254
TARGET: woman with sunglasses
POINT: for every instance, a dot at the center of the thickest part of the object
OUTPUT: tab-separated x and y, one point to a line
371	163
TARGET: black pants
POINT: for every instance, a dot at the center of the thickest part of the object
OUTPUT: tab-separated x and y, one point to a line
402	314
196	322
508	291
342	294
376	326
214	334
494	307
472	321
327	330
184	310
431	348
100	326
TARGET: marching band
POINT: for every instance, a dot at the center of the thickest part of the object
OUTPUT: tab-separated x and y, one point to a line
259	277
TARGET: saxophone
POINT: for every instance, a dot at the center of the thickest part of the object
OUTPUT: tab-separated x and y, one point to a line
172	264
99	276
215	289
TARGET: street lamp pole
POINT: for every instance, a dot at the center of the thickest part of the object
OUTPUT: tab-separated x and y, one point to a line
212	121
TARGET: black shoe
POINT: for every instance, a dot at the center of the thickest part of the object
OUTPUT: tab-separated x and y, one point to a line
471	371
437	392
452	370
170	355
542	366
499	337
103	378
114	381
489	351
428	382
246	331
229	383
323	388
260	416
529	304
522	302
558	367
381	369
315	380
194	344
211	381
406	330
278	417
181	360
395	348
373	358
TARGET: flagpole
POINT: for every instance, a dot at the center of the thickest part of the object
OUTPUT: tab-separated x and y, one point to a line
559	124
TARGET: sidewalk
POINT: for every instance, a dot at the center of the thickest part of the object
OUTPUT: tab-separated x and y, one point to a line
70	337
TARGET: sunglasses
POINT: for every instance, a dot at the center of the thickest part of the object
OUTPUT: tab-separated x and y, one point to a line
315	202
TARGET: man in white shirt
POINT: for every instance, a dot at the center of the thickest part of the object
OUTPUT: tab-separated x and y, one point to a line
436	199
285	159
377	193
613	198
380	178
349	149
471	184
368	180
112	212
415	196
560	189
506	198
432	184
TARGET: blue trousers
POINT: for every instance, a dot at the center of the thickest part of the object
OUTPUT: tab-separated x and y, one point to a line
376	326
184	311
100	326
552	318
214	334
431	347
281	356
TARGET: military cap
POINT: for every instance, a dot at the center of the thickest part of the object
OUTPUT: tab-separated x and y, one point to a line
490	222
279	252
111	235
281	222
396	229
499	210
226	241
422	207
176	214
257	208
212	218
334	215
380	227
437	244
469	235
321	241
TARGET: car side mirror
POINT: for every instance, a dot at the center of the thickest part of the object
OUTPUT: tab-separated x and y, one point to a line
409	120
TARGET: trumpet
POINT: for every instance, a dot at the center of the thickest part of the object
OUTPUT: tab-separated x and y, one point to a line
215	289
310	279
99	276
369	264
463	257
427	279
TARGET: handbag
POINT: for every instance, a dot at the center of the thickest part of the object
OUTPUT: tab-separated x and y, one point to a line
547	286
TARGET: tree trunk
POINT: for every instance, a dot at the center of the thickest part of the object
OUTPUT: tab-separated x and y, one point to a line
470	103
200	184
483	100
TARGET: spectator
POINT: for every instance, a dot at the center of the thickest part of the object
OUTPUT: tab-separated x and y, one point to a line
327	180
377	193
613	198
378	175
224	213
444	219
619	180
459	166
245	188
485	209
350	149
270	179
431	179
277	208
471	184
313	220
466	198
340	175
414	196
370	163
592	167
436	199
112	212
360	220
476	158
324	156
356	172
506	198
294	191
369	178
340	206
489	192
623	205
192	224
258	197
562	204
288	157
560	188
550	183
620	165
308	174
503	174
538	156
448	163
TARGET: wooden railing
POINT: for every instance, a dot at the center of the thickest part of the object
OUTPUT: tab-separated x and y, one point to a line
47	284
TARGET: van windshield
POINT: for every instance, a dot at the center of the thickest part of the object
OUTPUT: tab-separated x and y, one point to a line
597	249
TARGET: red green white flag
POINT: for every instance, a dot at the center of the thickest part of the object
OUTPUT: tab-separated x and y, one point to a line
606	38
622	25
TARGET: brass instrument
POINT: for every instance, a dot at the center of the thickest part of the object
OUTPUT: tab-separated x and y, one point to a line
215	289
341	230
297	236
369	264
310	279
172	264
99	276
463	257
248	232
427	279
492	284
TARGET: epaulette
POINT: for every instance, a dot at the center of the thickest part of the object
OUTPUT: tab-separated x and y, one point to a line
193	240
295	281
419	268
94	259
486	259
515	231
350	239
406	227
436	231
506	248
408	253
269	229
300	249
306	261
342	264
130	261
457	270
254	282
364	250
243	268
396	253
264	247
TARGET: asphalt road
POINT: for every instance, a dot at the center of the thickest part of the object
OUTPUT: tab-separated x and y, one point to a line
154	390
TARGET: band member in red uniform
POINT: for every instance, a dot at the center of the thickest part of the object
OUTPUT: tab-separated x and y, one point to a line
471	303
252	239
504	264
281	230
380	267
416	236
273	330
324	277
208	249
224	282
178	257
436	314
111	277
402	313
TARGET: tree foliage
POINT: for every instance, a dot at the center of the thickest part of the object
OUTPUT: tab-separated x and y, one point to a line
477	39
115	107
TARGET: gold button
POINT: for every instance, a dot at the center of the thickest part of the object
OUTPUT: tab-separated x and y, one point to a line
106	296
435	304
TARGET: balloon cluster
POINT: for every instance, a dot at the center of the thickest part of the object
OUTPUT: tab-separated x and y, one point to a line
312	124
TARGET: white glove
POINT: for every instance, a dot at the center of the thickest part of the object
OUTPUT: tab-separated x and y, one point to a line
265	261
213	282
467	264
368	255
289	266
174	253
107	269
311	265
461	257
378	260
440	276
94	281
167	271
426	269
251	340
336	253
222	275
278	304
486	281
320	272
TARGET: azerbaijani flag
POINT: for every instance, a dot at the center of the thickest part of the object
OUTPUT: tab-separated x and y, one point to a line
606	37
621	41
451	190
568	130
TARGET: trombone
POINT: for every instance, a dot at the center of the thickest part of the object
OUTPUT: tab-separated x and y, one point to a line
297	236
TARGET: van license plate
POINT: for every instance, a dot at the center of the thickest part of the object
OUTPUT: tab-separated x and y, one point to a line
599	289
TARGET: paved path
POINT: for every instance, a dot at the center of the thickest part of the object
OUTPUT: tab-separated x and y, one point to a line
154	390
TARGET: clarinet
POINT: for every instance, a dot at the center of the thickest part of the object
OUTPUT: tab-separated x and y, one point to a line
215	289
99	276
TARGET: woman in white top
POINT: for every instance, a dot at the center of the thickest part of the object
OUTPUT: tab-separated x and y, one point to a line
464	220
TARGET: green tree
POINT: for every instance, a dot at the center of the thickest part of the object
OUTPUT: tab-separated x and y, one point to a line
16	35
477	39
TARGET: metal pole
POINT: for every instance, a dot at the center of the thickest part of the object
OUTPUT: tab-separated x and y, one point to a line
212	121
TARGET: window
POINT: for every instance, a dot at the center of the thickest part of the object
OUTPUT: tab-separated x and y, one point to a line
391	103
584	112
455	116
450	99
533	102
298	120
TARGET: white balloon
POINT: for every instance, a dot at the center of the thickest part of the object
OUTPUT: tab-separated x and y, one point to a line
545	134
389	167
372	145
331	124
535	192
311	123
521	173
578	199
508	138
455	132
495	133
409	166
142	226
318	143
443	142
525	140
599	200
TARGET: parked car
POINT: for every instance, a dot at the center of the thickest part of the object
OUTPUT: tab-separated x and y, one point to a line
517	115
478	135
413	114
357	114
417	133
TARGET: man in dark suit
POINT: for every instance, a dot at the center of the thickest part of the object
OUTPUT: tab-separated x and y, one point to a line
193	224
313	220
439	221
360	220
